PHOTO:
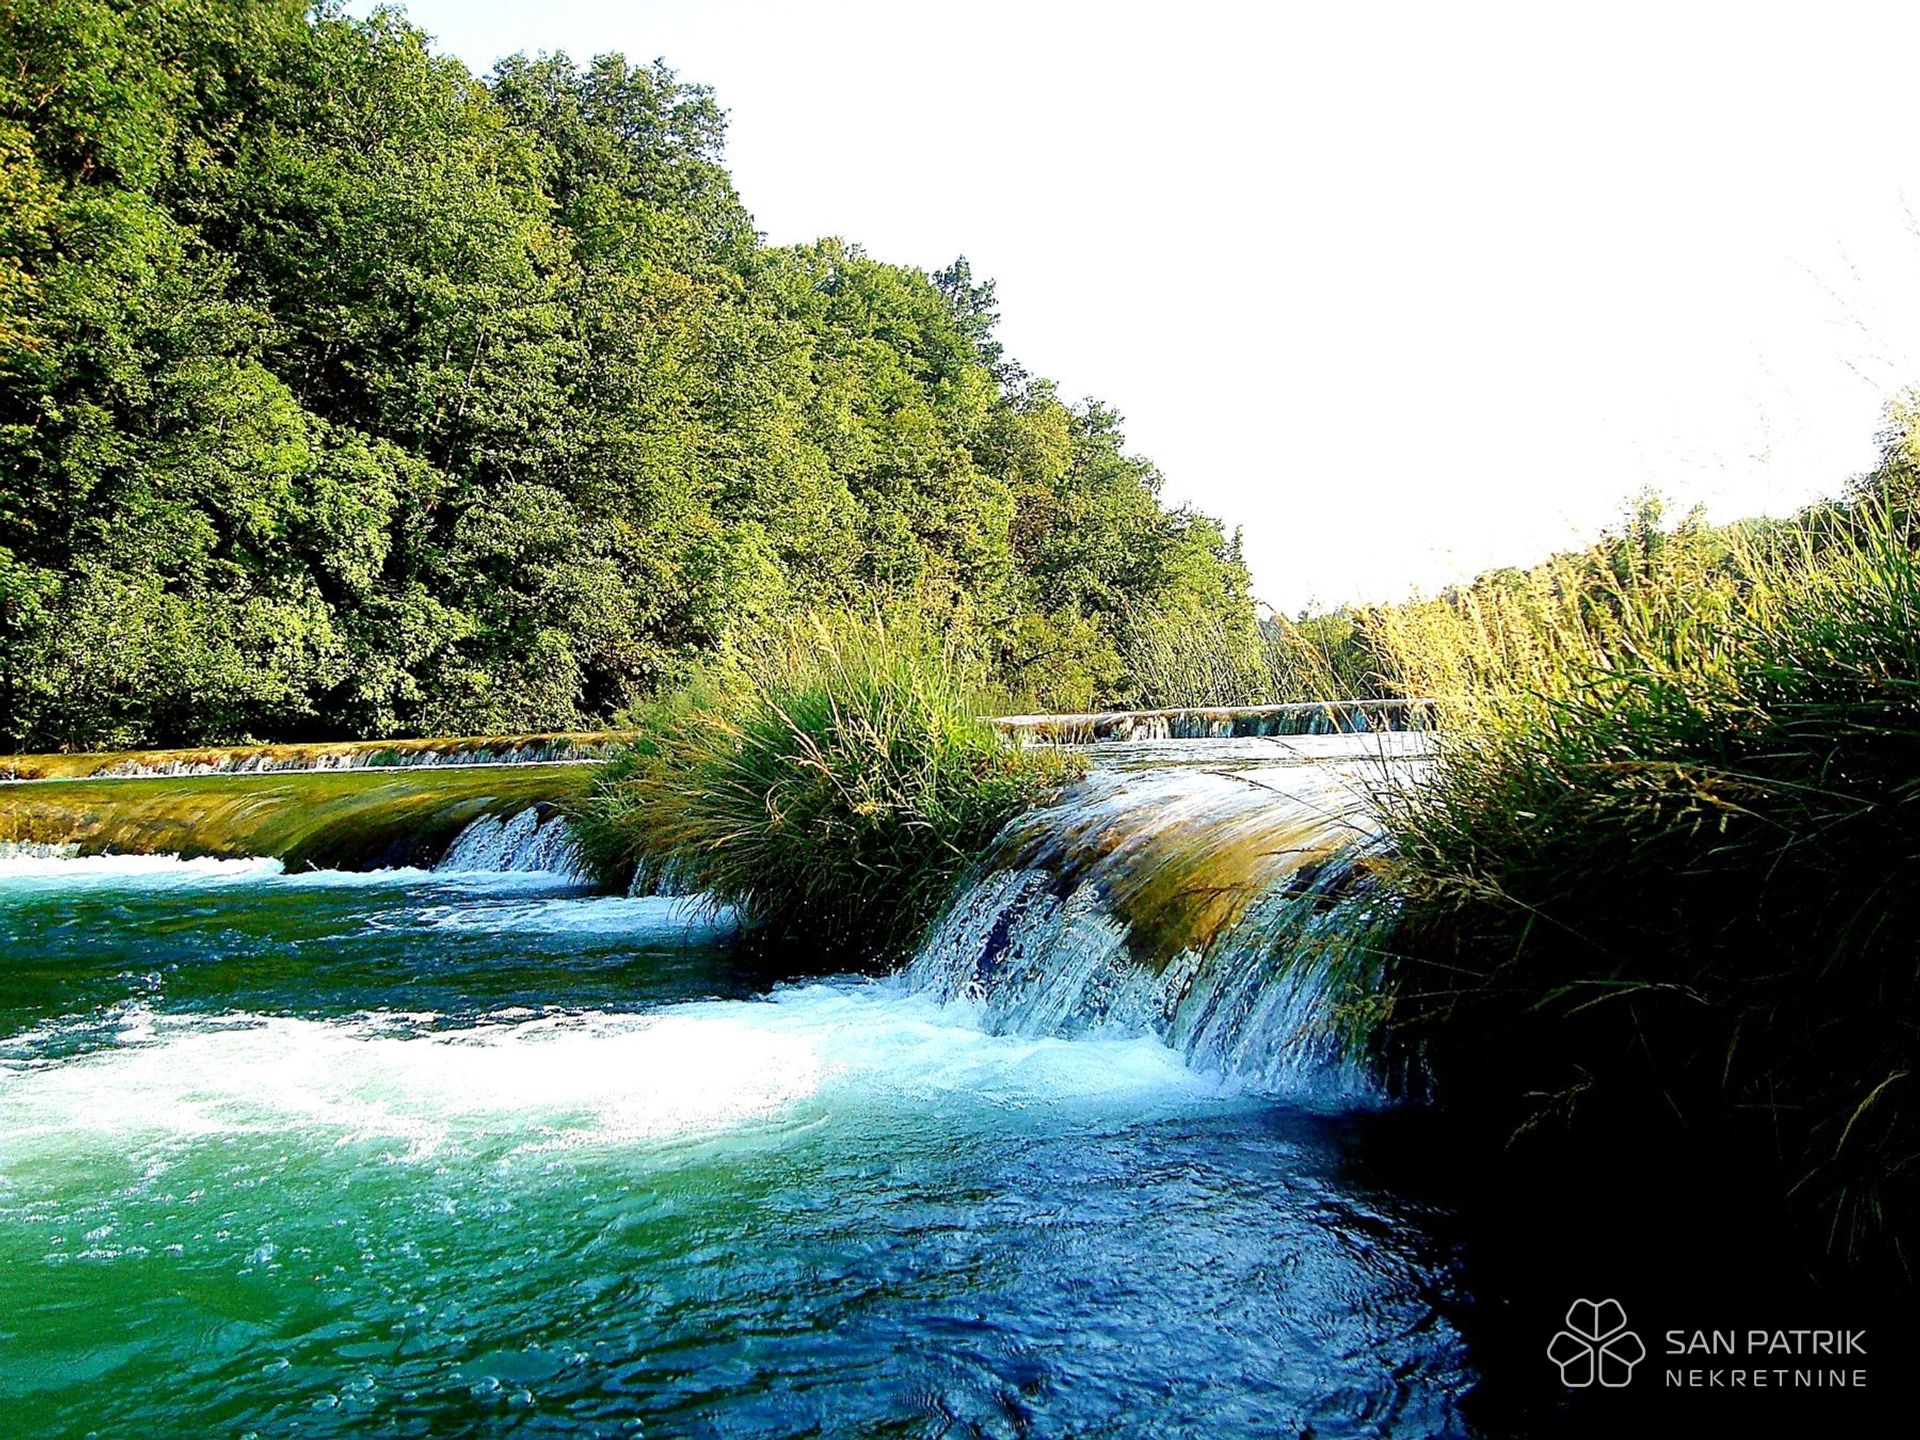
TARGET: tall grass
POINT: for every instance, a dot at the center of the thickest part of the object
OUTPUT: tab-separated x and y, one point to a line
1663	880
833	786
1180	659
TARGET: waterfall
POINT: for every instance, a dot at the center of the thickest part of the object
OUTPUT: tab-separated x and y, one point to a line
526	841
660	877
1227	909
37	850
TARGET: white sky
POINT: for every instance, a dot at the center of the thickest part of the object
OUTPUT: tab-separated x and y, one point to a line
1406	291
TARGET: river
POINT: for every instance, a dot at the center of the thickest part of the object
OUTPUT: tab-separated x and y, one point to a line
449	1152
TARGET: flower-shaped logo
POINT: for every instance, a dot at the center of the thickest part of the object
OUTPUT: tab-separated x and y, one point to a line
1596	1345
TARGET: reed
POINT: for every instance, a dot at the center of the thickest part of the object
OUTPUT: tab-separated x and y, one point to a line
1179	659
1661	881
833	786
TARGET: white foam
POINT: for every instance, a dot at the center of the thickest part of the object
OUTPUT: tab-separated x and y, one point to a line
476	882
528	1083
639	917
40	873
599	1079
132	870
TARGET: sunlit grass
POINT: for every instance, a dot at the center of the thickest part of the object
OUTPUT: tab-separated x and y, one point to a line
833	787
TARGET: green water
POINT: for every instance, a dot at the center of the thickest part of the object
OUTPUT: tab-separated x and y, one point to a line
440	1155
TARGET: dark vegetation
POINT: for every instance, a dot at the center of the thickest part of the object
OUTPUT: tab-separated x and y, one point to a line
345	394
1660	896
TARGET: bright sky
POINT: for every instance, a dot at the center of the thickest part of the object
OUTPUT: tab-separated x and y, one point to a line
1406	291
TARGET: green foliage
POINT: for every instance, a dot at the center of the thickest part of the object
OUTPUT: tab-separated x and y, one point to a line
1660	883
343	392
833	787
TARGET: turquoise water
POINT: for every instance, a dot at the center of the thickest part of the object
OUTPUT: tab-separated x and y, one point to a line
428	1154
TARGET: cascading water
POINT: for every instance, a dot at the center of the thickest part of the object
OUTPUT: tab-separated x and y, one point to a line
533	841
1215	896
528	842
1221	902
661	877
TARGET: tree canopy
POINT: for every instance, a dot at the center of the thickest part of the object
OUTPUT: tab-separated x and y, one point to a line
343	392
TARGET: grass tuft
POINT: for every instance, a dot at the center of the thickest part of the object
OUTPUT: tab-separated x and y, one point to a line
833	787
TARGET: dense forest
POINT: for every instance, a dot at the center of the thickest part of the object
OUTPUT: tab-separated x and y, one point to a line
346	393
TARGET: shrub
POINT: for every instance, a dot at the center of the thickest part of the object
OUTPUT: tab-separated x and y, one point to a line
833	788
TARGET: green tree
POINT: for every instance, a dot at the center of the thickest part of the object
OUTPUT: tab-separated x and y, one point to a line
343	392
